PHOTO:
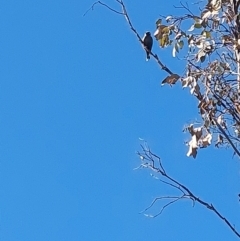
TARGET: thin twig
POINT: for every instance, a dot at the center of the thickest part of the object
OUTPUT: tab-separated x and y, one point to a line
103	4
160	198
166	205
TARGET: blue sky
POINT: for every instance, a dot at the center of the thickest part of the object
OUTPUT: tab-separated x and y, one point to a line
76	94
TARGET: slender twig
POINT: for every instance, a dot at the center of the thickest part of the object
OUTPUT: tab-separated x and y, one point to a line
125	14
165	206
157	199
186	192
103	4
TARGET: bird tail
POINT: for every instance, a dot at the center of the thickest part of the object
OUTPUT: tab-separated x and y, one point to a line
148	56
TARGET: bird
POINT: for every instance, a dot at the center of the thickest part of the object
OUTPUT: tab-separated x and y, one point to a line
147	43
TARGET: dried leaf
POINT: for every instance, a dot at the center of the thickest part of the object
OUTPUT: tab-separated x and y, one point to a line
158	22
201	55
164	41
197	132
206	14
172	79
214	5
168	18
221	122
165	29
180	44
185	82
206	141
178	35
192	151
175	49
161	30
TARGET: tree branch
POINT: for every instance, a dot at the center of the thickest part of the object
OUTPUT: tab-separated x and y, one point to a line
103	4
125	14
153	162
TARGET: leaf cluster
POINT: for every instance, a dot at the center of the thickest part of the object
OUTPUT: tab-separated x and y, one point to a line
211	43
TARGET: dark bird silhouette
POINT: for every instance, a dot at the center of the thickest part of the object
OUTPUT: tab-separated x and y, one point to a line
147	43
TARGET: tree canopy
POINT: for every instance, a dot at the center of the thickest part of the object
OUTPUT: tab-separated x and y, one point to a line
207	37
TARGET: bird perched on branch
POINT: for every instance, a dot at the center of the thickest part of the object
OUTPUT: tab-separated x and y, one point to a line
147	43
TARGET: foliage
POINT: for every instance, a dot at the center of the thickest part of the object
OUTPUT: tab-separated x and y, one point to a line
212	71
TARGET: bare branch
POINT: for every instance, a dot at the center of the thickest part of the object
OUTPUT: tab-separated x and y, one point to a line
103	4
186	193
175	199
125	14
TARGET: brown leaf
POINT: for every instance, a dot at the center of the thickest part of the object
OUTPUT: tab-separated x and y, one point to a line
197	132
206	141
172	79
159	32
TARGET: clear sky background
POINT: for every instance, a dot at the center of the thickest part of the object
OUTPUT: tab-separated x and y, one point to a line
76	94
